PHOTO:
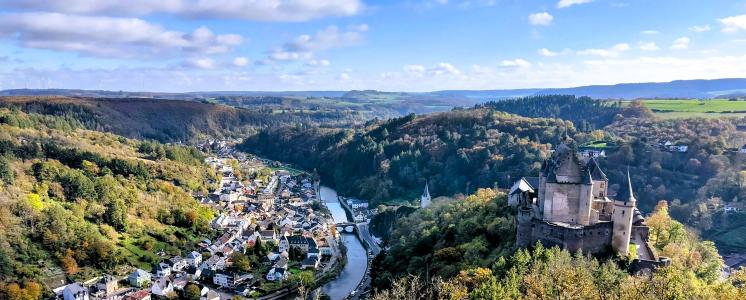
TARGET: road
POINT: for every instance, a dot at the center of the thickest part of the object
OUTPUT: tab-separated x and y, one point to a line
366	236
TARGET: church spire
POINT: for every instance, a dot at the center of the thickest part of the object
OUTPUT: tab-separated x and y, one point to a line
425	199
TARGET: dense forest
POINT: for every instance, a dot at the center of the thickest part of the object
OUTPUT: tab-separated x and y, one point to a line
171	120
75	202
586	113
390	161
457	249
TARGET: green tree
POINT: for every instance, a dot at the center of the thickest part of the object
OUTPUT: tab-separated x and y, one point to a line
192	292
241	262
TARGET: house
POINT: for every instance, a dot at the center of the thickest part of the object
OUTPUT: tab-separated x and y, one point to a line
277	274
268	236
310	262
231	280
590	152
139	278
213	263
194	273
243	290
194	258
742	150
325	250
138	295
162	287
162	270
177	263
298	241
732	207
75	291
107	285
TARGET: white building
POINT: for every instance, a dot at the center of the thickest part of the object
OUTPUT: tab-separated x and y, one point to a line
425	198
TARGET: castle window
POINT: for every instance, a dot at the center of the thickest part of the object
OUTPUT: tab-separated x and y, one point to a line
622	212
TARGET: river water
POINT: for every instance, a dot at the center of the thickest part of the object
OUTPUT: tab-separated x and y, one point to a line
357	260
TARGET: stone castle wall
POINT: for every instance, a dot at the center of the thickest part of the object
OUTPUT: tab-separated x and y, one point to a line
592	239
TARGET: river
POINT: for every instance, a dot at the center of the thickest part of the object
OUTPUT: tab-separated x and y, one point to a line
357	259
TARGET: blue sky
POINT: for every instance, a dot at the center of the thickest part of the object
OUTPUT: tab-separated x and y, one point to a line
192	45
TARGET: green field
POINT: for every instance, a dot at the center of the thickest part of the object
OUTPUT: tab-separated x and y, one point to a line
715	108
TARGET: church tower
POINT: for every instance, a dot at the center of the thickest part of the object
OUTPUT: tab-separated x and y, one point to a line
622	218
425	199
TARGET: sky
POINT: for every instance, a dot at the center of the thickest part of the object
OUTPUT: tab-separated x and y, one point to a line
407	45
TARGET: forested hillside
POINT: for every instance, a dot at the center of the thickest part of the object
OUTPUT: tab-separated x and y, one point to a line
586	113
390	161
163	120
75	202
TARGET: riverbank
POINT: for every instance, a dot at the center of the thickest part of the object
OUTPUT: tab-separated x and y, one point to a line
353	272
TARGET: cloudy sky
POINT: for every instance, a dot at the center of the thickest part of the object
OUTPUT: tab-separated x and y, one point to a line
410	45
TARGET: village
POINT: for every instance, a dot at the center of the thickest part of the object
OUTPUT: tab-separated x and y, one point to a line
275	217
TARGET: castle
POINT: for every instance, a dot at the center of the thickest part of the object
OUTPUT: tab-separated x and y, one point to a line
568	205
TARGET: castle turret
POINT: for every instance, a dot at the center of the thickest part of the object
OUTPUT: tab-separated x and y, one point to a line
425	198
622	217
586	200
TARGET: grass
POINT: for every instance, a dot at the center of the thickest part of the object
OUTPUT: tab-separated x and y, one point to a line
713	108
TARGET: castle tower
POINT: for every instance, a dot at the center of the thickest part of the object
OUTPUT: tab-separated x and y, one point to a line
586	200
622	218
425	198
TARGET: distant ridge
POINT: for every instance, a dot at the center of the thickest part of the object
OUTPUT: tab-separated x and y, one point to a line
700	88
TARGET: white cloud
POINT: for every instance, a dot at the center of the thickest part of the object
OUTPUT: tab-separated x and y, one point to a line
546	52
343	76
109	37
650	32
254	10
540	19
549	53
444	68
318	63
733	24
568	3
202	63
240	61
614	51
303	46
648	46
516	63
703	28
680	43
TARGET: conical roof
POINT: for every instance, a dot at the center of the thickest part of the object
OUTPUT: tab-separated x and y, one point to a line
626	193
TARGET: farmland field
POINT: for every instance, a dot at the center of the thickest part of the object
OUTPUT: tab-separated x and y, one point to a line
715	108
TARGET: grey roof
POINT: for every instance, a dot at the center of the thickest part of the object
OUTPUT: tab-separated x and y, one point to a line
626	193
75	288
595	170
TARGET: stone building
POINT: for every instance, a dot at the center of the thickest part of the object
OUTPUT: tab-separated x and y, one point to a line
568	206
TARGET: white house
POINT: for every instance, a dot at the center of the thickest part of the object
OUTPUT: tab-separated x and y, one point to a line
162	287
75	291
276	274
194	258
177	263
139	278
